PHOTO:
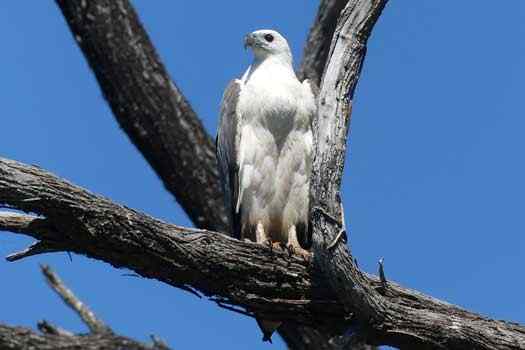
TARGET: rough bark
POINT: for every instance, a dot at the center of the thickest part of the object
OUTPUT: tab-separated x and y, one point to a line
380	320
317	45
235	274
149	107
20	338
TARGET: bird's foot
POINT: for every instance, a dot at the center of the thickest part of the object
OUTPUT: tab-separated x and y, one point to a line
297	250
273	245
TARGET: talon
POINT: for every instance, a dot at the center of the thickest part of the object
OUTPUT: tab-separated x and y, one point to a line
276	245
291	249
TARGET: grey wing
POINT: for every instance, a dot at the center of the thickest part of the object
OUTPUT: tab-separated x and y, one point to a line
227	143
304	234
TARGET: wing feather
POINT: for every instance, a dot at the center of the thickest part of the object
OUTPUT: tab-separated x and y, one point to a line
228	136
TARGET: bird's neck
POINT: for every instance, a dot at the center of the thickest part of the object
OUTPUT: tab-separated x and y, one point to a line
275	65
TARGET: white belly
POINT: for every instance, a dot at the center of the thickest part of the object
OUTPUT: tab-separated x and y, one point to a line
274	179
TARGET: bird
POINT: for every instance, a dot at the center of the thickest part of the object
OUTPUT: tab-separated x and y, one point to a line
264	151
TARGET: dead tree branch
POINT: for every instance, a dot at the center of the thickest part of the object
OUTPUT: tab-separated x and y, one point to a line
241	274
86	315
148	105
21	338
379	319
53	337
315	52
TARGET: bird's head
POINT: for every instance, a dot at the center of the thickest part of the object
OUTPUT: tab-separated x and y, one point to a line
268	43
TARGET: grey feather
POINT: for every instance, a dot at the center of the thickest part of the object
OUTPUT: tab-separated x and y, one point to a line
227	143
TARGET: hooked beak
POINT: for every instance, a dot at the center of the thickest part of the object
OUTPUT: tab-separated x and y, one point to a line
249	40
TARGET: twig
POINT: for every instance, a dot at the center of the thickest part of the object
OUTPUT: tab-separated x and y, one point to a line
30	225
36	248
88	317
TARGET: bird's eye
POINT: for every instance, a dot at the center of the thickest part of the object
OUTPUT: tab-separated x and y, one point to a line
268	38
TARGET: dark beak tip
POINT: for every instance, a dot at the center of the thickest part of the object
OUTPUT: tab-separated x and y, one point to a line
248	41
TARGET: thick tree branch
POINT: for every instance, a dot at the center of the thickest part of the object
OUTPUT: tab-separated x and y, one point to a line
148	105
317	45
242	274
379	319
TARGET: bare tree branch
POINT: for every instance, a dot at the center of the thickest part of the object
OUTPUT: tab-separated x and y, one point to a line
21	338
149	107
242	274
88	317
53	337
379	319
317	45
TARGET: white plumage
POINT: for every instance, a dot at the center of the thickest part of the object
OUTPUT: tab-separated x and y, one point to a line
265	146
264	149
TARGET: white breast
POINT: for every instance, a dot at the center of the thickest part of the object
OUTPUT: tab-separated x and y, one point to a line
275	149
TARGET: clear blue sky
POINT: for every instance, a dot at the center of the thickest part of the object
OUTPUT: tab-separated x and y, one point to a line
434	180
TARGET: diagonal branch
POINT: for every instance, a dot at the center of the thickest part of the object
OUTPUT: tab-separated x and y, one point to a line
88	317
149	107
379	319
242	274
315	52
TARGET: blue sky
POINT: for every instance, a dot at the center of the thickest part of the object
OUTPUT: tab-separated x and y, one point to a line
433	181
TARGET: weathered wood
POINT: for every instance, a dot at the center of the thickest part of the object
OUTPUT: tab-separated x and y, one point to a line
317	46
21	338
244	274
236	273
380	319
149	107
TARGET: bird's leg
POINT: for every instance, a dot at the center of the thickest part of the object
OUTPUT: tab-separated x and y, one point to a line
293	244
261	236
